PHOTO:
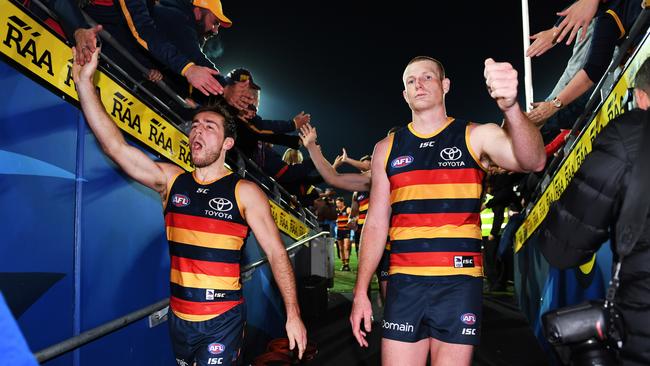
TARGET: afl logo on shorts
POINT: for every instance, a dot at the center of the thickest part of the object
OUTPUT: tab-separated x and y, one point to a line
468	318
180	200
401	161
216	348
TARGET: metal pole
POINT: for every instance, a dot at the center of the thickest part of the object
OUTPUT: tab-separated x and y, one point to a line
528	73
97	332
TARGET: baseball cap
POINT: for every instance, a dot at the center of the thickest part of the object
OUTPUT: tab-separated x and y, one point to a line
215	7
241	74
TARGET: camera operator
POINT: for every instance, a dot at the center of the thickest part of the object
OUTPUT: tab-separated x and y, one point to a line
586	216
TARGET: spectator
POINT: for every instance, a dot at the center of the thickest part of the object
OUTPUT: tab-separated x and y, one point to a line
130	22
304	189
586	214
614	22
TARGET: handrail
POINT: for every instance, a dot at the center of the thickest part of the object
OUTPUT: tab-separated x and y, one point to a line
593	104
179	120
249	163
109	38
88	336
593	107
289	248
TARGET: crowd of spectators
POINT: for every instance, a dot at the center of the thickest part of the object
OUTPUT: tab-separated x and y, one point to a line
174	54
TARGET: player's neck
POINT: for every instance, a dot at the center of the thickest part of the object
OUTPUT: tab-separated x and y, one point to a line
212	172
429	120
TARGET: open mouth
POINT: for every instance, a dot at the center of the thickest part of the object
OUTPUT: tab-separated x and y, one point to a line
196	146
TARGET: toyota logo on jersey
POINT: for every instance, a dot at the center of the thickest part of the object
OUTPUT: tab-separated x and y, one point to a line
451	153
220	204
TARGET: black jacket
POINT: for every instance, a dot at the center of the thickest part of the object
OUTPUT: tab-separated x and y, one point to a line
585	215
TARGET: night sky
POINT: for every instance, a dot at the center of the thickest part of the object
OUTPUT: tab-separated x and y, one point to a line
344	64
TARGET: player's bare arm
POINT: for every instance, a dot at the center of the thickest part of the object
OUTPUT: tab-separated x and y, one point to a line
373	239
257	213
518	146
133	161
350	182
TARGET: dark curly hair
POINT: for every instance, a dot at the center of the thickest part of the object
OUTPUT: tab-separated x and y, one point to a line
229	124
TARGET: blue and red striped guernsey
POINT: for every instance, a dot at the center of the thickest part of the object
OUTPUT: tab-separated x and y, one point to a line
342	219
436	183
205	231
362	199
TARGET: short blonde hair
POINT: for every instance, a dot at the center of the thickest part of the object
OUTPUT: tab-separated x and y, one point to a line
292	156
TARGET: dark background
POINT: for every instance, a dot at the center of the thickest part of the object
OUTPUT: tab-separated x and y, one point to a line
343	61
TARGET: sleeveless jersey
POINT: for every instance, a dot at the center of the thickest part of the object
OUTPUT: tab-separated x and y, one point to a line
342	219
205	231
362	200
436	183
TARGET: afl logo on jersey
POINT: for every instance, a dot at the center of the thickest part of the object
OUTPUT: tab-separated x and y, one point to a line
401	161
220	204
451	153
180	200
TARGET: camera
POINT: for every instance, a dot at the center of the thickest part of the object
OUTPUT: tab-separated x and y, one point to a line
585	334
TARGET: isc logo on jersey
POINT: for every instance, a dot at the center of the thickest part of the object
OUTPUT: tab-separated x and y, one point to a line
180	200
401	161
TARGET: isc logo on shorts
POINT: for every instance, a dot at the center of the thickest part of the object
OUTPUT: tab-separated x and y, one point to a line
468	331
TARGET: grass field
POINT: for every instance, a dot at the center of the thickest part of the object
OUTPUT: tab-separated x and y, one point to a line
344	281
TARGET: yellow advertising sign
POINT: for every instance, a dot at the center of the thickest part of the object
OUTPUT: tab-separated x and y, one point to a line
612	107
287	223
35	48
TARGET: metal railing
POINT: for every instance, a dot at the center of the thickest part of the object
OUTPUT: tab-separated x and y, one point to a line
276	191
592	108
88	336
290	248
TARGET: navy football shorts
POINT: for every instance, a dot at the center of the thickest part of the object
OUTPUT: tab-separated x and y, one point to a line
342	234
384	263
357	235
216	341
447	308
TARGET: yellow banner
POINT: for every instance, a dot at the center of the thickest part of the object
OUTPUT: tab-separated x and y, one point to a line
612	107
35	48
287	223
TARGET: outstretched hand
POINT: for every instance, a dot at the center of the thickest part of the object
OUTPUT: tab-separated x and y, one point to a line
308	135
543	41
301	119
541	112
202	78
501	81
84	73
85	43
576	16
